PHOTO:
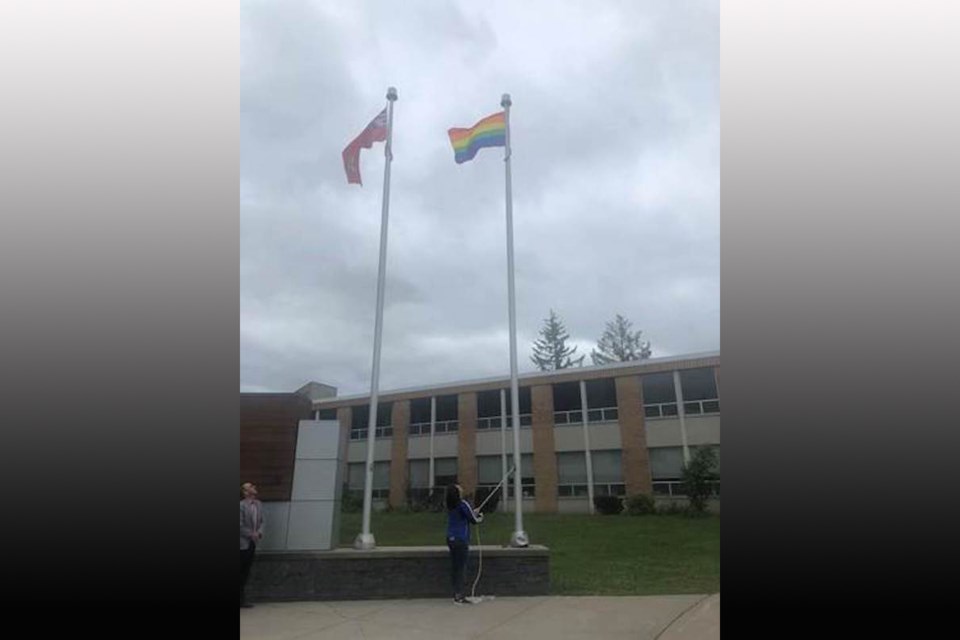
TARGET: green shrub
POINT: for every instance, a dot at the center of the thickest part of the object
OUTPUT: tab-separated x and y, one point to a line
698	478
640	504
670	508
608	505
351	502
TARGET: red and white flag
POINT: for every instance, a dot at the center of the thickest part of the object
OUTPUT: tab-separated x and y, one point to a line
376	131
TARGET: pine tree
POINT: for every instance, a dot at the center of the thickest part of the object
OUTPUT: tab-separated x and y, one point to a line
620	344
550	352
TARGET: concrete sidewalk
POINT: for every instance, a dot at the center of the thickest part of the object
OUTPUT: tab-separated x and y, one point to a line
689	617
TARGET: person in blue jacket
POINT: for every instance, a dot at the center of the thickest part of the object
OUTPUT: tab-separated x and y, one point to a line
459	517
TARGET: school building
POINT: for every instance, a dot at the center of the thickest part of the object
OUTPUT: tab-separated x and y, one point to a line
639	421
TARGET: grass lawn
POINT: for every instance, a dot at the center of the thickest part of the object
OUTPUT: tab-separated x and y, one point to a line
589	555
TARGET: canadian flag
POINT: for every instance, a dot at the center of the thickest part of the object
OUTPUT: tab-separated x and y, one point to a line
376	131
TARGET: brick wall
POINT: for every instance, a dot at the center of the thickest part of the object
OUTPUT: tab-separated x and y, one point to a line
635	460
268	441
467	442
544	454
419	572
400	420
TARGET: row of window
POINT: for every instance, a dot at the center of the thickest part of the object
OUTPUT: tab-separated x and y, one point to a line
560	419
669	409
494	422
423	428
379	432
582	491
699	391
666	470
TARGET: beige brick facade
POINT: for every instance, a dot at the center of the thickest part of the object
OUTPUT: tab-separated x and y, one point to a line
467	442
544	453
631	423
635	460
399	420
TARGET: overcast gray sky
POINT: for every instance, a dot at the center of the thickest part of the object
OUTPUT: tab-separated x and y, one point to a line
616	183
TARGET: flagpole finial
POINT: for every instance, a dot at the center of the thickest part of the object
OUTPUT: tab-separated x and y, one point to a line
505	102
392	94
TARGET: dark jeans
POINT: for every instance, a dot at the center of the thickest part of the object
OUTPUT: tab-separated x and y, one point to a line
246	560
459	550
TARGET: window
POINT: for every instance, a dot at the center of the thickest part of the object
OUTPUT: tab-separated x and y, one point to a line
361	418
607	474
601	393
659	398
326	414
527	481
381	480
444	471
666	463
571	474
419	429
607	466
356	479
666	470
447	408
488	409
419	417
490	470
447	412
420	410
381	475
699	391
445	427
566	404
419	474
355	476
602	400
666	466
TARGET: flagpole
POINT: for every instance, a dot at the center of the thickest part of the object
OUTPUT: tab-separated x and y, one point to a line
519	537
365	539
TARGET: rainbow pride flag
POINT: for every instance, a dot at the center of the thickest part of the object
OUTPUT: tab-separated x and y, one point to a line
489	132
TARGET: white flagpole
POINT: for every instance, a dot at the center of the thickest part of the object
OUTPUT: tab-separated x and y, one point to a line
365	539
519	537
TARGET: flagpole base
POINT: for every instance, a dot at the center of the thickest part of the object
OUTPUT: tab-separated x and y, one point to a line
519	539
364	542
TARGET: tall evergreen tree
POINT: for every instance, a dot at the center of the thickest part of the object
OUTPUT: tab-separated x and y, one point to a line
550	352
620	344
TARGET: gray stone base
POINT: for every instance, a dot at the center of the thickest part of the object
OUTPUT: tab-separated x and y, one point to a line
394	572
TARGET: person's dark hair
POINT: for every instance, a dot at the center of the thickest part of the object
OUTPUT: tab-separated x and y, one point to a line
452	497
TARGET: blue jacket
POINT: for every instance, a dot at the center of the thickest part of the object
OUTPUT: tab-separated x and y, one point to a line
458	522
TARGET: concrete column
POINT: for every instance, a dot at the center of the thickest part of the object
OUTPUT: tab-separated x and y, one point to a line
433	429
682	415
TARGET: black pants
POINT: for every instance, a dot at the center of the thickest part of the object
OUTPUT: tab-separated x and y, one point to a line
459	551
246	560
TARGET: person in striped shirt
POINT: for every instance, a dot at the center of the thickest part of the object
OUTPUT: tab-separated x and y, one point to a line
251	532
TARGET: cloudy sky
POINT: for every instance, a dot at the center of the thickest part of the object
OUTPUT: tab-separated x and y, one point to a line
616	183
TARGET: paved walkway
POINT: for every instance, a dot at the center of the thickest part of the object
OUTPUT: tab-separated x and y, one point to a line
687	617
